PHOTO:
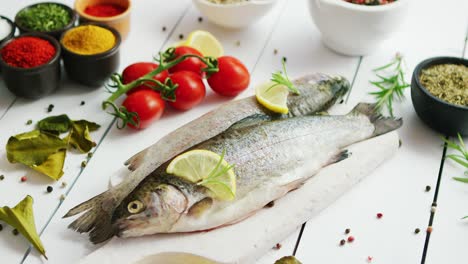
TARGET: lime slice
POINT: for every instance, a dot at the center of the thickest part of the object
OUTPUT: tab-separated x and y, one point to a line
205	42
207	169
273	96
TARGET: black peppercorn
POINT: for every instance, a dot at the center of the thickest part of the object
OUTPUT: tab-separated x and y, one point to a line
50	189
347	231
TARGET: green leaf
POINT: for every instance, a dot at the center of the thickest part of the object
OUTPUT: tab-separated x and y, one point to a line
21	217
33	148
457	159
464	180
53	166
59	124
79	135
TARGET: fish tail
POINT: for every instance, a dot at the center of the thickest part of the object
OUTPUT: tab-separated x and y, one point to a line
95	219
382	124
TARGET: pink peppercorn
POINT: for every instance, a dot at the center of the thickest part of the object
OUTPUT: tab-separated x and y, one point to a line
23	179
369	259
379	215
350	239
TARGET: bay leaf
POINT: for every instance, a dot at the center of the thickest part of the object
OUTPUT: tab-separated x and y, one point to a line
53	166
60	124
79	135
21	217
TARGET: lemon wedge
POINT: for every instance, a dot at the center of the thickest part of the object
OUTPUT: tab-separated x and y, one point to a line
273	96
204	42
207	169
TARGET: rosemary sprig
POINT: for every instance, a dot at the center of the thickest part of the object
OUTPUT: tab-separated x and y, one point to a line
218	171
391	87
281	78
461	158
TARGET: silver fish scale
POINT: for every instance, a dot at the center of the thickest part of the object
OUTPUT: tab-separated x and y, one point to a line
273	150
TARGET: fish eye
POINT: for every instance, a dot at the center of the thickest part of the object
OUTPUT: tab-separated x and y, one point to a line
135	207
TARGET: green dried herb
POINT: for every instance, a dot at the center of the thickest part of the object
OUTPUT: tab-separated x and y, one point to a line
449	82
392	85
59	124
44	17
21	217
79	135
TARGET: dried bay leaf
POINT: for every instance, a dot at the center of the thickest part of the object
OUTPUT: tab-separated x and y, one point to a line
53	166
60	124
79	136
21	217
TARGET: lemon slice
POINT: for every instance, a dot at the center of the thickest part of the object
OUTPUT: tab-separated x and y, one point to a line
207	169
273	96
205	42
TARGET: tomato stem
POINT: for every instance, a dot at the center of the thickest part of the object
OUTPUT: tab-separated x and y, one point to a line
166	61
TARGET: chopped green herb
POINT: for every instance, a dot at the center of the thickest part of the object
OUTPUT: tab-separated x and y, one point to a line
44	17
449	82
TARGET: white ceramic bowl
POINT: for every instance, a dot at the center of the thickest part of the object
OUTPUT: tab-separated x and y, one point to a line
353	29
238	15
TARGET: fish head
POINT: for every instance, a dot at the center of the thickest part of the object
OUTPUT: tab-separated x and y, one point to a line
150	211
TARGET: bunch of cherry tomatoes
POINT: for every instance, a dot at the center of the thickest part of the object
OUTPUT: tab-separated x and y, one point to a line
231	79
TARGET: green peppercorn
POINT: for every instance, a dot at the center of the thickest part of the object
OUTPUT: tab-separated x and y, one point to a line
29	122
2	177
83	164
90	155
417	230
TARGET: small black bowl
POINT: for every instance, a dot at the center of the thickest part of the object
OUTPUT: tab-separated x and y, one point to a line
33	83
12	32
55	33
92	70
438	114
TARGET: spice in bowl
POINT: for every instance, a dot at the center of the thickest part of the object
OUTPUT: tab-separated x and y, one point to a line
28	52
448	82
88	40
371	2
44	17
5	28
104	10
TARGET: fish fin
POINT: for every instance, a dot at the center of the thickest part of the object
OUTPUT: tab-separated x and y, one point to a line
95	219
250	120
197	209
342	155
136	160
382	124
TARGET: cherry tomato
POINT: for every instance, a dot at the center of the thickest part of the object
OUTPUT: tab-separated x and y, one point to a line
190	91
232	77
147	104
136	70
190	64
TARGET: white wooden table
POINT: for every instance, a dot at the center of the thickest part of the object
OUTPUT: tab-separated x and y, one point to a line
396	189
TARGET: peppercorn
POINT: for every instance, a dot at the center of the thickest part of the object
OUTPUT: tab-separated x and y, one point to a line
50	189
163	28
181	36
1	227
90	154
50	108
83	164
278	246
347	231
379	215
350	239
417	230
29	122
82	103
23	179
2	177
200	19
62	197
15	232
400	143
342	242
428	188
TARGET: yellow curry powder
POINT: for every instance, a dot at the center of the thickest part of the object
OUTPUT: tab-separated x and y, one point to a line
88	40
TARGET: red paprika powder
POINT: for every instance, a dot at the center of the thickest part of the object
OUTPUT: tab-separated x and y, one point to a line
28	52
104	10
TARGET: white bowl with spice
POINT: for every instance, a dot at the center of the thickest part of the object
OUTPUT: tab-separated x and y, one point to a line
357	29
234	13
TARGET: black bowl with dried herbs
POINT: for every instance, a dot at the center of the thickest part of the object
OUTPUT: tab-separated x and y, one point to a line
47	17
439	91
